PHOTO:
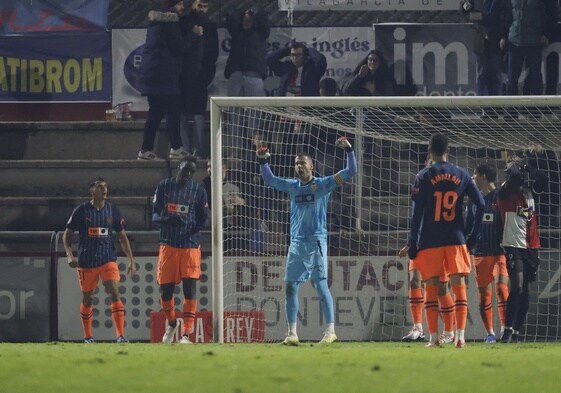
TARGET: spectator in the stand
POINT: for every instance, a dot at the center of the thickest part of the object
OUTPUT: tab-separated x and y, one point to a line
300	75
232	200
198	70
246	66
526	28
371	77
245	70
488	53
159	78
328	87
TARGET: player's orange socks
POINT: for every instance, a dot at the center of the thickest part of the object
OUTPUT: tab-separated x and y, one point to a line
486	308
416	304
87	318
118	315
189	310
431	307
168	306
447	311
502	297
461	306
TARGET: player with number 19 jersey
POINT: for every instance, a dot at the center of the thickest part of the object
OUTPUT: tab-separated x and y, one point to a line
438	193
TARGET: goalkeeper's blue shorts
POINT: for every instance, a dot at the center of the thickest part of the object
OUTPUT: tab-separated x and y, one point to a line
306	259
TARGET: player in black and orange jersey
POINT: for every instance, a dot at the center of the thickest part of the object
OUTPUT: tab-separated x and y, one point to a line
416	300
520	240
96	221
180	206
436	241
488	255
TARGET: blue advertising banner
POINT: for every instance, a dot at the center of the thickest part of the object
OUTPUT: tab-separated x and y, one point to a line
56	68
33	16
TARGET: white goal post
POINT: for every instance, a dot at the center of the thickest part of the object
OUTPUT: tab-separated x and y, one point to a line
368	218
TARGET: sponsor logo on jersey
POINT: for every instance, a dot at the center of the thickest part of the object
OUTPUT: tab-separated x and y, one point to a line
488	217
176	208
305	198
526	213
98	232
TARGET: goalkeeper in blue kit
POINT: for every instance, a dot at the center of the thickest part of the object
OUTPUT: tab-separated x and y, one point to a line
307	254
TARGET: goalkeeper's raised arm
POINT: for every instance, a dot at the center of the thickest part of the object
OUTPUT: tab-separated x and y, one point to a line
304	174
352	166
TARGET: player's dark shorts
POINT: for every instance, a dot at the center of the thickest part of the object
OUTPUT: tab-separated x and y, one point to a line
523	260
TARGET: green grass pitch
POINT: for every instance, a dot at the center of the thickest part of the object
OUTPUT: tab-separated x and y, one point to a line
242	368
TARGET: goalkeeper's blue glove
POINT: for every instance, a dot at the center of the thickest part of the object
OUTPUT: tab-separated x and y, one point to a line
412	252
263	155
344	143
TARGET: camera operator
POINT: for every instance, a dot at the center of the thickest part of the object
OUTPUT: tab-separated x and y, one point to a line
520	241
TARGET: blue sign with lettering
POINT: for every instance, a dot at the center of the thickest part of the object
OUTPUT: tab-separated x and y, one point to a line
56	68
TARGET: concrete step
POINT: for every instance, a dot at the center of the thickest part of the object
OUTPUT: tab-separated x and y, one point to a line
70	178
98	140
51	214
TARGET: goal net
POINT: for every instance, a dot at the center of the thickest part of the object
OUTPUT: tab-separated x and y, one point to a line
368	218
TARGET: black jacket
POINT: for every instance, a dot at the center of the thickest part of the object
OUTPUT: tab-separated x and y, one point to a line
313	69
161	59
248	49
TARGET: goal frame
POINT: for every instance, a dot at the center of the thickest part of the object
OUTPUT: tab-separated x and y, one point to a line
359	103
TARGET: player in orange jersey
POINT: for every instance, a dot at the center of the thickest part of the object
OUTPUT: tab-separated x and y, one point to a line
437	236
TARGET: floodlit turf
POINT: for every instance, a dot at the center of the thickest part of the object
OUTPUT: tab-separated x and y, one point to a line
241	368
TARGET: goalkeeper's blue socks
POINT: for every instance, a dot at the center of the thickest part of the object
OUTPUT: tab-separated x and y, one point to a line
326	300
291	302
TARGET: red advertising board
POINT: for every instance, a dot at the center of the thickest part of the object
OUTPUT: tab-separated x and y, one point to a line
239	327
